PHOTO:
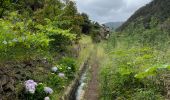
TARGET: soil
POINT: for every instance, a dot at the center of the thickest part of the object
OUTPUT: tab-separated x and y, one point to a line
92	92
13	75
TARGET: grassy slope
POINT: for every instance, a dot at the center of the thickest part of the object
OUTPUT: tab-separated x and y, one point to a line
123	61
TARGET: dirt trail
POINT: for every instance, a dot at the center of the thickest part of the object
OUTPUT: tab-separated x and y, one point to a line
92	92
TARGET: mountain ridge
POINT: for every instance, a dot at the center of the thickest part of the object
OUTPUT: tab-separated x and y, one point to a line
113	25
160	9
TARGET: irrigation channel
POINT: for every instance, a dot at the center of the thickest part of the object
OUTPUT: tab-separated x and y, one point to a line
79	94
86	84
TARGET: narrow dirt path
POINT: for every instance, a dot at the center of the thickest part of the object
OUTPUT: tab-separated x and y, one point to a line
92	92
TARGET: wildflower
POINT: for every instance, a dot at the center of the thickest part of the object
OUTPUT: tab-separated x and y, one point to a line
48	90
69	68
61	75
5	42
44	58
54	69
46	98
15	40
40	83
30	86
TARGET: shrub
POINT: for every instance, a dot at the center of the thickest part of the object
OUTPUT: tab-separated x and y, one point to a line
56	81
16	41
68	66
38	91
147	95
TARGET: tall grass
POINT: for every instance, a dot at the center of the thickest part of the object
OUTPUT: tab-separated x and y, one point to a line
133	69
86	47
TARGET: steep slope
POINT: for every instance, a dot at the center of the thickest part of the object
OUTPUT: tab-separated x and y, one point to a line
113	25
159	9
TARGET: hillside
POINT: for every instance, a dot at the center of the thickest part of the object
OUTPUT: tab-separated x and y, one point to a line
113	25
51	51
159	9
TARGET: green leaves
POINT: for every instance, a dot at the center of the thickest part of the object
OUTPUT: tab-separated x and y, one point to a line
19	37
151	71
16	39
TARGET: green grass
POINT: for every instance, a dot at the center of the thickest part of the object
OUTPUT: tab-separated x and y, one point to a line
124	59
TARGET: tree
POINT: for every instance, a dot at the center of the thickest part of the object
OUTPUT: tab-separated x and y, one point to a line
86	26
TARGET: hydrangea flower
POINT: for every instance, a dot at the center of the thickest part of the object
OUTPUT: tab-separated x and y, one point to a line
61	75
5	42
46	98
69	68
30	86
15	40
48	90
54	69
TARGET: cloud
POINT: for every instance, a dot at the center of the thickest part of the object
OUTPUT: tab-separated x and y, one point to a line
109	10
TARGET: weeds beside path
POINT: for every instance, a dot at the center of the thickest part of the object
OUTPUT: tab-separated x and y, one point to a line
92	91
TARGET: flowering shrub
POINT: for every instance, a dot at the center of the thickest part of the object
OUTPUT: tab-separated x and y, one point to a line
54	69
46	98
56	80
36	91
68	66
30	86
48	90
61	75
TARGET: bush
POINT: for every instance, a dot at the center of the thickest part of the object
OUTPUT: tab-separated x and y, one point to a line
147	95
17	41
135	72
55	81
69	66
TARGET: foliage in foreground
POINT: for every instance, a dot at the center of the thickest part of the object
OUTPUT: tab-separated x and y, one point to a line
37	35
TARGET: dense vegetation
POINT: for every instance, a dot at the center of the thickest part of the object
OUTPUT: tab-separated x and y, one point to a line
43	43
41	47
138	63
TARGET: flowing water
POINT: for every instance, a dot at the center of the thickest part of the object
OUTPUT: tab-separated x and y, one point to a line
80	90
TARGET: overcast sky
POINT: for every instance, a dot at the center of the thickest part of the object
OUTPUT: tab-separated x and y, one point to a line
110	10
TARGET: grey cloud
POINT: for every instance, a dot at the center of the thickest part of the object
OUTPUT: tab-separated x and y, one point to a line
109	10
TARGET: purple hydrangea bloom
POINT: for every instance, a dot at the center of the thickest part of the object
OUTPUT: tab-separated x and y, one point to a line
54	69
48	90
30	86
61	75
46	98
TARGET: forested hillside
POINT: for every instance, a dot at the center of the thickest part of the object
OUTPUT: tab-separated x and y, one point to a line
158	10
